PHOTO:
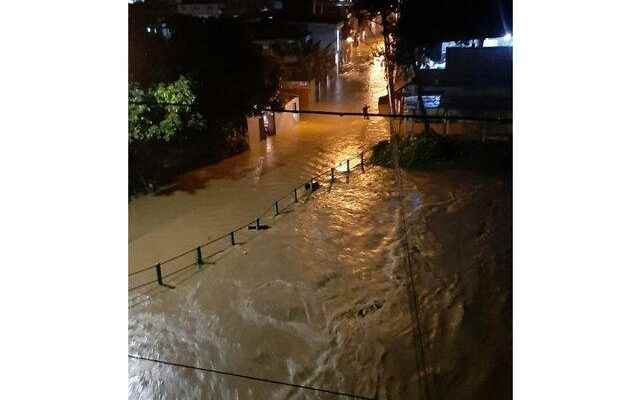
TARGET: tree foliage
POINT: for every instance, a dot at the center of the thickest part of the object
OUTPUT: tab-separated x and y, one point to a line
313	61
151	119
375	7
232	75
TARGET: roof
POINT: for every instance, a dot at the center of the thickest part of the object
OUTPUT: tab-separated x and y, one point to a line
481	66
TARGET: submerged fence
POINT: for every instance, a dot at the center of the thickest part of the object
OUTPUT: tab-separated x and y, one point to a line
197	257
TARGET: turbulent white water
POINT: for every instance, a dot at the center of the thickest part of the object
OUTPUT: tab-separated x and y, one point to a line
316	299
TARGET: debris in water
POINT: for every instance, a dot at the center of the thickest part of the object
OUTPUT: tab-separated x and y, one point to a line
377	304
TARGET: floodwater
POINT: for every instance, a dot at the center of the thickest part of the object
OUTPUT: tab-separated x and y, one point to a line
320	297
317	299
210	201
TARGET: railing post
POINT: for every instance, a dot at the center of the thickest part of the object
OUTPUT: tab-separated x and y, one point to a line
333	175
257	223
199	257
276	207
348	171
362	160
159	275
233	239
295	195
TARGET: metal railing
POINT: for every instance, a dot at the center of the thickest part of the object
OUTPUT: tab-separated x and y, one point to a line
200	255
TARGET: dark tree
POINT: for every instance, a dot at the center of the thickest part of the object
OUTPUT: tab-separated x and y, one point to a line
231	74
228	79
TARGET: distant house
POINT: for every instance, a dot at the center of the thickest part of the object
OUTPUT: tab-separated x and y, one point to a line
269	123
324	20
279	39
476	81
289	43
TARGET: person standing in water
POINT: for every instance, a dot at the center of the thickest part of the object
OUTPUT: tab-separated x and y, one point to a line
365	111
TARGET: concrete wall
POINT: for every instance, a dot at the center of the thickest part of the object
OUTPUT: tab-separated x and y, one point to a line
253	132
305	90
284	122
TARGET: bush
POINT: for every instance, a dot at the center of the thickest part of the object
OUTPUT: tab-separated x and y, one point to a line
416	152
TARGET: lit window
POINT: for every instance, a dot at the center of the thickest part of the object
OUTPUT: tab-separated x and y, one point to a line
432	101
504	41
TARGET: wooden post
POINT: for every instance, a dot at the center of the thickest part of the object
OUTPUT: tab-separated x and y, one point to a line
295	195
333	175
276	208
159	275
233	239
362	160
257	223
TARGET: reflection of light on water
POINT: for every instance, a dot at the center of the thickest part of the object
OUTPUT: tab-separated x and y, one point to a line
377	83
269	147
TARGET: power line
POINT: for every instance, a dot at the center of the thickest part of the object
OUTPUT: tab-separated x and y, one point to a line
386	115
253	378
412	294
414	303
452	118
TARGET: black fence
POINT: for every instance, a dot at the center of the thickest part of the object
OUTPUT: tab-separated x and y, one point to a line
199	256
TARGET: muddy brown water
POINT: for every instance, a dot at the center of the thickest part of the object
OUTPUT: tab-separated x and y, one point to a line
320	297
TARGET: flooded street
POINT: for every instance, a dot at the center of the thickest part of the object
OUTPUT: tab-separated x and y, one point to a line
210	201
316	299
282	305
320	297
